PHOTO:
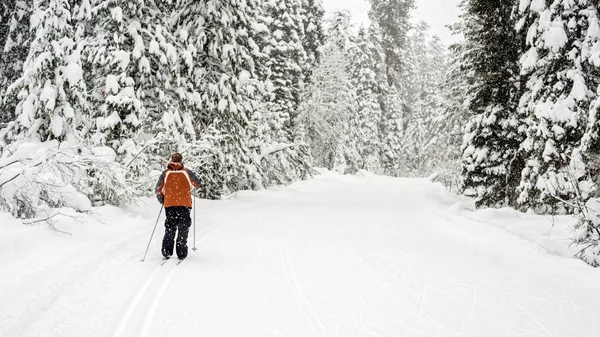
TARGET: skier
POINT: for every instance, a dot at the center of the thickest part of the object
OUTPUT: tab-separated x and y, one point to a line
173	191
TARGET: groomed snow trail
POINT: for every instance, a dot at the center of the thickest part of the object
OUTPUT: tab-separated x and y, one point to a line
334	256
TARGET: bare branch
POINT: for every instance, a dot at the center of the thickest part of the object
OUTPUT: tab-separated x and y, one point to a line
58	230
10	163
50	224
142	150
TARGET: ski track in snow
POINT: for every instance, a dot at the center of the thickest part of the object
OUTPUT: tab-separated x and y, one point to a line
334	256
33	301
298	293
155	304
129	325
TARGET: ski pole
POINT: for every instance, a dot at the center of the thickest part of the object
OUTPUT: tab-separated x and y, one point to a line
159	213
194	206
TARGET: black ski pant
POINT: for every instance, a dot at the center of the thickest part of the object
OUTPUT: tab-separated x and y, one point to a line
178	221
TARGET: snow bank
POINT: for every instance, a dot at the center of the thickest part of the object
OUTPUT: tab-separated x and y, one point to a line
552	233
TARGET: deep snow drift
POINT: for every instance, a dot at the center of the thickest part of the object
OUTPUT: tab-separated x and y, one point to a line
334	256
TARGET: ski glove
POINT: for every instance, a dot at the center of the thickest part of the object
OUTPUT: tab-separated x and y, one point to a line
161	200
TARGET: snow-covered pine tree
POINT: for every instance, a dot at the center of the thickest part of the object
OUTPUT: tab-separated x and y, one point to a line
278	143
330	102
392	21
449	124
15	39
433	100
325	112
281	160
425	70
392	131
7	9
130	57
366	74
585	161
339	30
314	35
51	92
557	102
340	33
266	128
286	58
394	113
490	64
392	17
413	75
174	106
52	118
223	33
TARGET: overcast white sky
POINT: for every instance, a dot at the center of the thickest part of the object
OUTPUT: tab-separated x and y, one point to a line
437	13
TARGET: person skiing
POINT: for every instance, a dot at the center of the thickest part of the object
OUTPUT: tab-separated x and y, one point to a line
173	191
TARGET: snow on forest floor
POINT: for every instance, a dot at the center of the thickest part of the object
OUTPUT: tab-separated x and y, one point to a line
333	256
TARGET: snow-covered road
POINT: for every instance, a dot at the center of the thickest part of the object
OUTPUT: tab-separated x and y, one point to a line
334	256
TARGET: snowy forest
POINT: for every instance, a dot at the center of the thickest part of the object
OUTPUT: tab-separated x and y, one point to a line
96	94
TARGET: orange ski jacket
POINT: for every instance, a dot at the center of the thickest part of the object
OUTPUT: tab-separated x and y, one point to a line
174	186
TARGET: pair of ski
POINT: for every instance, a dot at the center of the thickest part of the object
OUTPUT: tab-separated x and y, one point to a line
166	260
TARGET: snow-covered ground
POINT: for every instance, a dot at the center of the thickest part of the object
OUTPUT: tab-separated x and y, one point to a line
334	256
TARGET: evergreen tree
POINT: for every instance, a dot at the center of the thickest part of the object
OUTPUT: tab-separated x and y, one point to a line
490	62
15	39
392	17
329	107
425	71
339	30
292	50
366	75
556	104
414	74
586	165
286	59
394	113
120	57
392	131
448	125
51	93
224	73
6	9
314	35
586	159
